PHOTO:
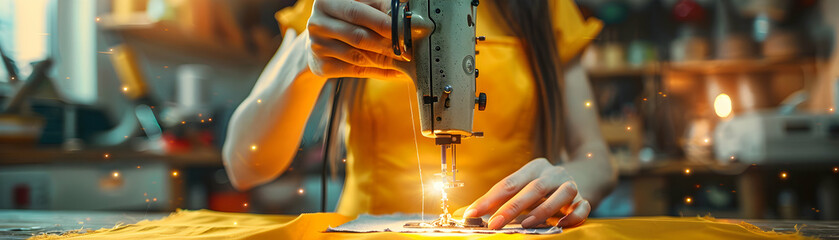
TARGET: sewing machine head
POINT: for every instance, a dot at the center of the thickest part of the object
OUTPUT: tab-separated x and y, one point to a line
437	38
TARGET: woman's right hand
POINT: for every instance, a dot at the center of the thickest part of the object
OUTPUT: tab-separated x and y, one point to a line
349	38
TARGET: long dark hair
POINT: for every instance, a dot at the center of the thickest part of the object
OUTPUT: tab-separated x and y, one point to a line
530	21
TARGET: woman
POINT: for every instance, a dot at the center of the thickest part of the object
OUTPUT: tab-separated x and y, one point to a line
541	121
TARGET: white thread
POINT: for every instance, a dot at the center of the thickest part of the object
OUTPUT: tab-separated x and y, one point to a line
416	148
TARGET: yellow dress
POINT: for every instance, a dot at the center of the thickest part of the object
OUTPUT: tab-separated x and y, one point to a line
382	166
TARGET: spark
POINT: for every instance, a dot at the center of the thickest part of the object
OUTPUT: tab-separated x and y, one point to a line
210	119
115	174
202	120
836	169
830	109
235	223
732	157
175	173
259	101
628	128
645	99
707	140
124	89
245	205
98	19
110	50
344	160
588	104
300	191
253	147
688	200
784	175
588	155
183	122
687	171
107	155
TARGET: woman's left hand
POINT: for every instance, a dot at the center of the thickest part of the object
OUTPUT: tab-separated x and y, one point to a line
538	180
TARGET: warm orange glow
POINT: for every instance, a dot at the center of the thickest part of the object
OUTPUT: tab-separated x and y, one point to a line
183	122
588	104
138	166
154	199
124	89
688	200
300	191
628	128
830	109
783	175
174	173
210	119
245	205
98	19
588	155
687	171
259	101
707	140
836	169
107	155
253	147
722	105
115	174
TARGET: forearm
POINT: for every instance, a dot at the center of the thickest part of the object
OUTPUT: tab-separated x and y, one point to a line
264	131
591	165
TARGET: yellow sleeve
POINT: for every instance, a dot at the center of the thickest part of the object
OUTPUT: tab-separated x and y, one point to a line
574	33
295	16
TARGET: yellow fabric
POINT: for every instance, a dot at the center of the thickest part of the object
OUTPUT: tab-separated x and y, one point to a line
204	224
382	171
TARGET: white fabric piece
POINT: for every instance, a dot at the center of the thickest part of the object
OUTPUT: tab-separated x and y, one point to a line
395	222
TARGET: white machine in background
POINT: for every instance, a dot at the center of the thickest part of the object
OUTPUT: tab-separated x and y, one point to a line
770	137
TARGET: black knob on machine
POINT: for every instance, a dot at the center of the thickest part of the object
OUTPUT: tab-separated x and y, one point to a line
481	101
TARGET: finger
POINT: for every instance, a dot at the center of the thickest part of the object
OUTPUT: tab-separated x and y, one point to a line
563	196
581	210
528	196
504	190
359	14
335	68
381	5
349	54
353	35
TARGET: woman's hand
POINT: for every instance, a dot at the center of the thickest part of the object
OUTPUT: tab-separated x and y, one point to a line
534	182
349	38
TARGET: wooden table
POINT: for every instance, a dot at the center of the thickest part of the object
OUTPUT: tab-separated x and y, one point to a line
21	224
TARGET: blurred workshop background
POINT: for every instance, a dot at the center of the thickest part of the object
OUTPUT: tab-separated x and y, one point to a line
709	106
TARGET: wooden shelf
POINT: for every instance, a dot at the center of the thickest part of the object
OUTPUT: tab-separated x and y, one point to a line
741	66
137	30
626	71
32	155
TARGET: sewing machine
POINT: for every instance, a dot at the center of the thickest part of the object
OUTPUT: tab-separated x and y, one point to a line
437	39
